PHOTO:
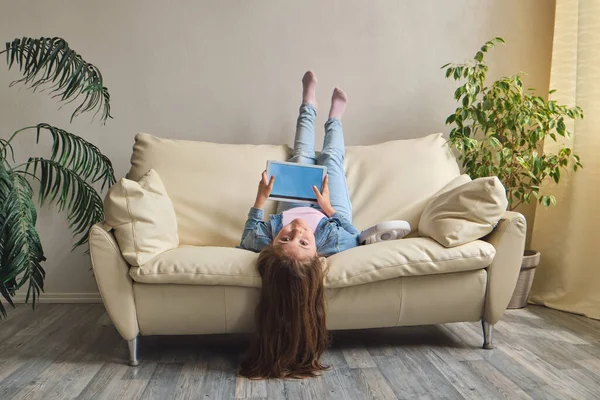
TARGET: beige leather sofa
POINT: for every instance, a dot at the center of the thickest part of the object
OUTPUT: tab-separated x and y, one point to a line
208	286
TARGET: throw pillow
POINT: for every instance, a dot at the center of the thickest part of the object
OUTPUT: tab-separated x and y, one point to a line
142	217
465	213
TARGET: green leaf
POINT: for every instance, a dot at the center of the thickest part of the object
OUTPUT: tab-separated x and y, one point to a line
51	61
518	81
546	201
560	127
479	56
459	92
556	175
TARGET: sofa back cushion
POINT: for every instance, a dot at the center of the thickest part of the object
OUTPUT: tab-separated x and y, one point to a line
395	180
212	186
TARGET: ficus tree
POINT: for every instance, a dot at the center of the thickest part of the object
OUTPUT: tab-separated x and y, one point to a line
499	128
65	178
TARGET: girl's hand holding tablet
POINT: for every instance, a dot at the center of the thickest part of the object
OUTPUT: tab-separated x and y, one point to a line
264	190
323	198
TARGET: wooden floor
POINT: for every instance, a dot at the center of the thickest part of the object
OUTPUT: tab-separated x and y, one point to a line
73	351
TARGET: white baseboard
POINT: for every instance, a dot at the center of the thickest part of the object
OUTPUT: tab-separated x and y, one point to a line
63	298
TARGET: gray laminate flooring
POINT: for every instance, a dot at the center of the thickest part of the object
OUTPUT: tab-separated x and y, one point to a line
67	351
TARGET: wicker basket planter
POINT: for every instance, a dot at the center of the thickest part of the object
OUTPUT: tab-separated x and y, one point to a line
531	259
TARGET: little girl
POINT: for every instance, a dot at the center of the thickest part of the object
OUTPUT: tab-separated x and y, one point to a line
291	315
305	231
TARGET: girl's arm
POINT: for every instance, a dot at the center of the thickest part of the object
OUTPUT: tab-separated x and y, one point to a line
347	225
251	238
325	204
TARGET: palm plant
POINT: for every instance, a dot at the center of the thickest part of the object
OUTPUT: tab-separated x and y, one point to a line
65	178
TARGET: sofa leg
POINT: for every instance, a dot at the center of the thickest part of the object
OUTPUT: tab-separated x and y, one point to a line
133	347
487	335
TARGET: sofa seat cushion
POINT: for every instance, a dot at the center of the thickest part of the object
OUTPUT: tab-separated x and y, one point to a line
201	265
227	266
405	257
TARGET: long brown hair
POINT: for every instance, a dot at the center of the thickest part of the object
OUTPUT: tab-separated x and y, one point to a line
290	318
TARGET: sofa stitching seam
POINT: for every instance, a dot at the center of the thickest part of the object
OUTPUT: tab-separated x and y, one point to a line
197	273
225	307
413	263
135	246
401	298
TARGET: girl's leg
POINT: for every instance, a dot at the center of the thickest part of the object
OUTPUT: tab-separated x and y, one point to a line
332	156
304	141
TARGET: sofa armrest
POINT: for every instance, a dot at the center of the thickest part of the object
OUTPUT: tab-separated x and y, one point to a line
509	240
112	275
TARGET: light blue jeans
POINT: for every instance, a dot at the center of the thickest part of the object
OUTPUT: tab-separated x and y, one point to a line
332	157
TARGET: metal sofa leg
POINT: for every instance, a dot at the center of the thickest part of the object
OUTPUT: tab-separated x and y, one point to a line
487	334
133	347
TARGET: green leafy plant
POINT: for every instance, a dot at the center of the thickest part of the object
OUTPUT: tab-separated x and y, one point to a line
65	178
500	129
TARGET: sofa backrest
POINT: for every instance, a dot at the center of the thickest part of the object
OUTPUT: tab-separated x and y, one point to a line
212	186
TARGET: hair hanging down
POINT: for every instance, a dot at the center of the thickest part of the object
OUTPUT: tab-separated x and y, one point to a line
290	318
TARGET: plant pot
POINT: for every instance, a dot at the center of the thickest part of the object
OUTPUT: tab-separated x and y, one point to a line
531	259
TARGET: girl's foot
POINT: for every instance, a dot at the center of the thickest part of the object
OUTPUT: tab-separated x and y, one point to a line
309	87
338	103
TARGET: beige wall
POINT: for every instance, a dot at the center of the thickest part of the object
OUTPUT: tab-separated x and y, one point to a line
229	71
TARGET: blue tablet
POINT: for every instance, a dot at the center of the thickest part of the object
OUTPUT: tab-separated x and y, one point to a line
294	182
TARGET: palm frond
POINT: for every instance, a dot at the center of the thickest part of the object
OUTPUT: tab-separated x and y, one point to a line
6	285
79	155
21	253
51	61
59	183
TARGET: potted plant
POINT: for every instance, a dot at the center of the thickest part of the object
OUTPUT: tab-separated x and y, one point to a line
65	178
499	129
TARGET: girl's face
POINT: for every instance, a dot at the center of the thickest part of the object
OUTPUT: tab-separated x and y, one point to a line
297	240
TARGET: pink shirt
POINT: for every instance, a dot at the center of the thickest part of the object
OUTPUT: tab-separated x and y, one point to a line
311	215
